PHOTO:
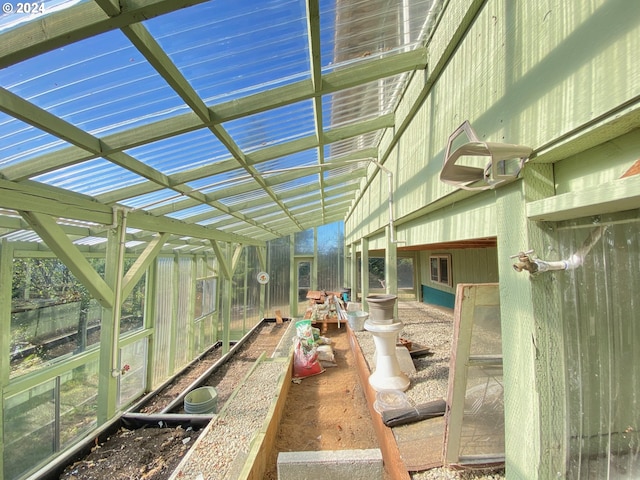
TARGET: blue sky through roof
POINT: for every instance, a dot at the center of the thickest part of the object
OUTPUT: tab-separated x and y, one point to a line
20	141
102	84
154	199
226	49
229	48
304	158
273	127
182	152
92	177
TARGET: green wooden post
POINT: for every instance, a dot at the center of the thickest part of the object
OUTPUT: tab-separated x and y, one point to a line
531	337
191	311
150	320
226	300
245	298
6	280
391	268
314	265
364	272
293	277
353	273
262	255
110	330
175	282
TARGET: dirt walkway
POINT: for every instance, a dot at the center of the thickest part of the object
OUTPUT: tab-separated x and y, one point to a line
326	411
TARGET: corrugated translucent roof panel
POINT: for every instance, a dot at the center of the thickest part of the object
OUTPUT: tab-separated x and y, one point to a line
22	236
345	172
20	141
310	181
273	127
255	195
182	152
230	48
190	212
91	241
155	199
206	114
298	159
91	178
224	180
101	85
363	102
344	147
365	31
19	13
217	220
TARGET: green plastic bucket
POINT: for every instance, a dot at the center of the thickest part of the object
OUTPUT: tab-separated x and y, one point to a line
201	400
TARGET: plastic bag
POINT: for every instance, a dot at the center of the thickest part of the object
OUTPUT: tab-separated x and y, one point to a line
326	356
304	331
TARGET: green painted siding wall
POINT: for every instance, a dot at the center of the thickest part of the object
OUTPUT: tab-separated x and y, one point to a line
561	78
468	265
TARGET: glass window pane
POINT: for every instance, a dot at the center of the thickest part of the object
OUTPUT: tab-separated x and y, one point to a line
52	313
433	261
205	297
133	376
304	242
483	421
444	270
376	272
29	428
405	273
78	402
132	312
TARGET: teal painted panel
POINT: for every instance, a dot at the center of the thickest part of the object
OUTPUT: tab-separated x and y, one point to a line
438	297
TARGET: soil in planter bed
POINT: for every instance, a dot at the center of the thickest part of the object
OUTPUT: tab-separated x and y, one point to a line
324	412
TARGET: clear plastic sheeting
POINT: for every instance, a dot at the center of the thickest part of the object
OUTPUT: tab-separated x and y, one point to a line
600	306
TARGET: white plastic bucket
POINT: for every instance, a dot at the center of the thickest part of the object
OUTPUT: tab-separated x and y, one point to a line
356	320
201	400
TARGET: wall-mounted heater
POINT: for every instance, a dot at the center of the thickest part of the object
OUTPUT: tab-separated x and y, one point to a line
466	166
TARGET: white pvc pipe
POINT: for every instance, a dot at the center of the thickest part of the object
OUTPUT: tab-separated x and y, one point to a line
117	298
577	259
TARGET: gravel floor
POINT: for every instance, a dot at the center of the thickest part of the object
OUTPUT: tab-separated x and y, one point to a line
432	327
212	459
424	325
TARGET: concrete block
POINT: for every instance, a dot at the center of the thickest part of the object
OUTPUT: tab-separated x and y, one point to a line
333	464
405	360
